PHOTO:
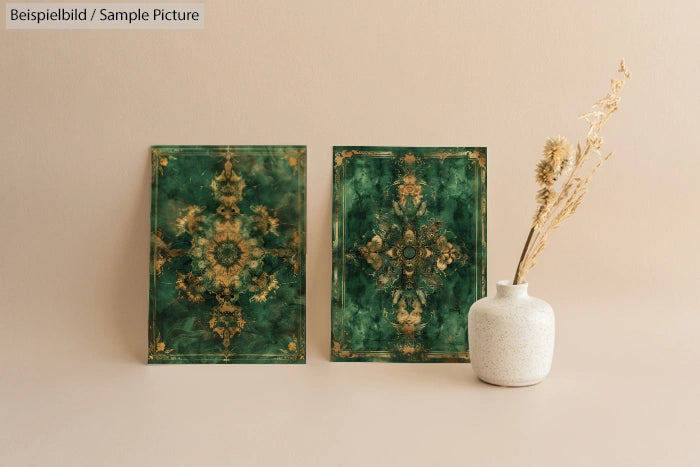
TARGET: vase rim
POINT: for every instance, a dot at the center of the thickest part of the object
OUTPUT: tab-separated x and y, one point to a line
507	289
509	283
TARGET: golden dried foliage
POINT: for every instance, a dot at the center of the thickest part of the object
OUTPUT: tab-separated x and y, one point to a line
559	195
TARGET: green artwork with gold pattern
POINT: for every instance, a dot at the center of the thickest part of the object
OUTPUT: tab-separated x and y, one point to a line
227	275
409	252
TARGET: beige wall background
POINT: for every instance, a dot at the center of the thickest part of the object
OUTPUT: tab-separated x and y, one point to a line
80	109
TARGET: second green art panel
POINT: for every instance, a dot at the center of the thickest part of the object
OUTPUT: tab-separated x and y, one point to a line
409	252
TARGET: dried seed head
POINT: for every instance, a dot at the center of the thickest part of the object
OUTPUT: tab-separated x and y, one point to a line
556	149
546	196
556	160
544	174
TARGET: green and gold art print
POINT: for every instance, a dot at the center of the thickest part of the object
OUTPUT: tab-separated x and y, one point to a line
227	276
409	252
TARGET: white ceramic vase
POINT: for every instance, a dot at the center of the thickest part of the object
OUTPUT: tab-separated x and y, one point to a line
511	337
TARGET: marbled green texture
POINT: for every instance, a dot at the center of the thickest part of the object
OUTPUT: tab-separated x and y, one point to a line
228	254
409	251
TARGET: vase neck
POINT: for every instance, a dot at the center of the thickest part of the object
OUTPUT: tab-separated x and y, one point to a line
506	289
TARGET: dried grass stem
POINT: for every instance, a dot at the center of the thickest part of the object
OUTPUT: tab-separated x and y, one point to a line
555	207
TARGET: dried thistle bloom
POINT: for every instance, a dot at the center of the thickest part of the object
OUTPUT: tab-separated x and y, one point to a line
556	161
544	173
554	207
556	150
545	199
545	196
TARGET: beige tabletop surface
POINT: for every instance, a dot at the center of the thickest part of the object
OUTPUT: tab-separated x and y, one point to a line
80	109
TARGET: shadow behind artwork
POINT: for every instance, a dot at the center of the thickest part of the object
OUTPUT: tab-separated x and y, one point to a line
131	269
318	273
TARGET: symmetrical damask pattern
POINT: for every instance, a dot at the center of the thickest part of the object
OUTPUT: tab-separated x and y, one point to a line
409	251
228	229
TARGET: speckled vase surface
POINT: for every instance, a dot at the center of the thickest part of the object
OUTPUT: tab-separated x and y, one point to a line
511	337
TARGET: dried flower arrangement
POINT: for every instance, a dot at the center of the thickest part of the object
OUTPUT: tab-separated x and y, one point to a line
556	202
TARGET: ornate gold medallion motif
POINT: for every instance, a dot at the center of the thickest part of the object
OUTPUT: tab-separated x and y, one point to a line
408	235
237	252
